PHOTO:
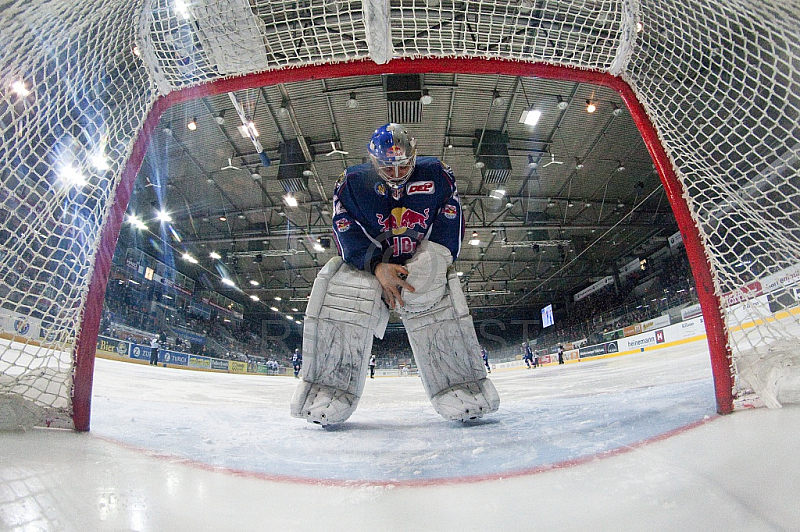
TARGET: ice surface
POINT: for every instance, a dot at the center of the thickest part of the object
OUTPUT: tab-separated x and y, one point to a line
547	416
180	450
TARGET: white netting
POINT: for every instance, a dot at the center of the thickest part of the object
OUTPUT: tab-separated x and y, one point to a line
64	145
719	80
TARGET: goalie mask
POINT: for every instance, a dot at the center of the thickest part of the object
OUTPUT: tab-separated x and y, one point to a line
393	153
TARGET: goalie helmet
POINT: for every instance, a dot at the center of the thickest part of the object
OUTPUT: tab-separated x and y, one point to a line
393	153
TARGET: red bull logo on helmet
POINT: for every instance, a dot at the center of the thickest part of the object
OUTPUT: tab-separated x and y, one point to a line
402	218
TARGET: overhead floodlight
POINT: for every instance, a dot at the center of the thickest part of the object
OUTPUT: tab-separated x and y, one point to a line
562	103
164	216
352	102
220	118
531	163
100	162
530	117
274	309
290	200
497	193
497	99
228	282
73	176
192	125
278	298
254	297
617	110
214	255
188	258
255	176
283	111
479	164
578	164
590	107
318	247
182	8
136	222
254	282
426	99
621	167
20	88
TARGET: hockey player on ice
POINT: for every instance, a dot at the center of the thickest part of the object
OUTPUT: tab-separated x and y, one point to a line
398	226
297	363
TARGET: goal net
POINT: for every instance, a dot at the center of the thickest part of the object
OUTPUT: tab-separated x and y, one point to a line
713	87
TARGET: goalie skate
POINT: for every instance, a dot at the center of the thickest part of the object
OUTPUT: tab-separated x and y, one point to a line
322	405
468	401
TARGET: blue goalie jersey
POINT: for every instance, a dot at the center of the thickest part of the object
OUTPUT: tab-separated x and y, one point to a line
373	222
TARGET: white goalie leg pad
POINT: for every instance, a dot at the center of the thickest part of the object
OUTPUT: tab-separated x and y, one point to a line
344	311
448	356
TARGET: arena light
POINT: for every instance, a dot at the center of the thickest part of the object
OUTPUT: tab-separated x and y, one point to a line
530	117
426	99
474	241
20	88
192	125
136	222
278	298
290	200
100	162
182	8
254	282
188	258
352	102
214	255
318	247
73	176
164	216
590	107
254	297
228	282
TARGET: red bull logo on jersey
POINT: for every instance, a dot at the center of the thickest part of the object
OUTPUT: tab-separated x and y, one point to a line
450	211
402	218
342	225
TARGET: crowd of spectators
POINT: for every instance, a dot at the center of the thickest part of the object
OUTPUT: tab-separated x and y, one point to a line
637	298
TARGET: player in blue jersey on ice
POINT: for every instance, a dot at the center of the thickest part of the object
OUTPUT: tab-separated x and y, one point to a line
398	227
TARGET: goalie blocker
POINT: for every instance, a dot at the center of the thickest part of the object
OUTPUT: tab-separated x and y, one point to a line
345	311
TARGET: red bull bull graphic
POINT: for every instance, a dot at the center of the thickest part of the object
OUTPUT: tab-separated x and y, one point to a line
402	218
342	225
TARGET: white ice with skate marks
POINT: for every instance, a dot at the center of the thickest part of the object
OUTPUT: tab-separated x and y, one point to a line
547	416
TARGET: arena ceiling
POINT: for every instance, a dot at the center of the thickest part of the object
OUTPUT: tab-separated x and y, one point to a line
580	197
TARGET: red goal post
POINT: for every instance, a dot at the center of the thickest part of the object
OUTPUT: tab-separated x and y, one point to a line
723	163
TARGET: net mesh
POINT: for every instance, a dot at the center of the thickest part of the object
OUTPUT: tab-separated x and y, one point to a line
719	81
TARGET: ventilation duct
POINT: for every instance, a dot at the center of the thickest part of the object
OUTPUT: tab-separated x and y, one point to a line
290	171
491	148
403	92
